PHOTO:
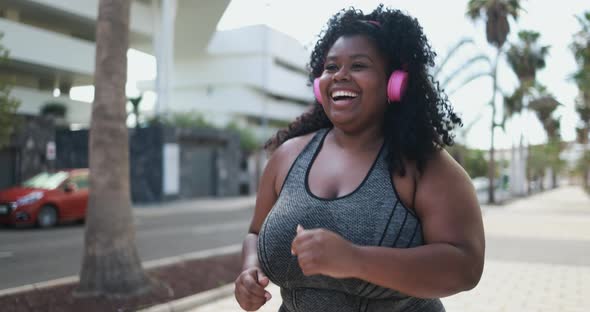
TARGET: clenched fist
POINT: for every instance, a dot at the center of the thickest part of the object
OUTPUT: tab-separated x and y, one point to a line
320	251
249	290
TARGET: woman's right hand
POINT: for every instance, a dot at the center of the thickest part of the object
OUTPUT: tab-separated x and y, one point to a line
249	289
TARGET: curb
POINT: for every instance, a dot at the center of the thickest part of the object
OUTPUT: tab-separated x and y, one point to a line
201	205
40	285
191	302
146	265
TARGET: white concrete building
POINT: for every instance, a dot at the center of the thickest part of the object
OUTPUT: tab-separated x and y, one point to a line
252	75
52	47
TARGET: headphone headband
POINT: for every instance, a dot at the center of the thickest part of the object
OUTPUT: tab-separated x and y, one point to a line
396	85
374	23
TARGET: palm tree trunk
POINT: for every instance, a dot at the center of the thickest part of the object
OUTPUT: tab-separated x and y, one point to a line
111	265
492	163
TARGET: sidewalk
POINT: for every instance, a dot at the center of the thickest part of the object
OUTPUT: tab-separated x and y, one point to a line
194	205
537	259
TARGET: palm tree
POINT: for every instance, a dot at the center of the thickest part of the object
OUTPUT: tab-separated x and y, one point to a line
447	77
111	265
525	58
496	14
544	105
581	49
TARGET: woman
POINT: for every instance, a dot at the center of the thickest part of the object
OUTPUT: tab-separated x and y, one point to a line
359	207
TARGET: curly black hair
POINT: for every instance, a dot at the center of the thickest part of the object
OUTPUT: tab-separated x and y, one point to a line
415	128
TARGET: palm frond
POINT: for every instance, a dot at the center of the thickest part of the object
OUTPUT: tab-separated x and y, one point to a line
451	52
468	80
514	8
465	66
475	8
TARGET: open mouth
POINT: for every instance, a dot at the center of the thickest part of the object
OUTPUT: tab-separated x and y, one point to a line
343	95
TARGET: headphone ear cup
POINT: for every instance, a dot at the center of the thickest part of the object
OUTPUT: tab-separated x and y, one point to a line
316	90
396	86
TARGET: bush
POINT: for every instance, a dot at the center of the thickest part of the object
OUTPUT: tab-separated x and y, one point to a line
54	109
184	120
248	140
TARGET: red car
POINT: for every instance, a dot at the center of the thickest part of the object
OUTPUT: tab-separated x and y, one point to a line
46	199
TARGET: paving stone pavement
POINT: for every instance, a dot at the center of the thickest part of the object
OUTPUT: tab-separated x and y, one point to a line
537	259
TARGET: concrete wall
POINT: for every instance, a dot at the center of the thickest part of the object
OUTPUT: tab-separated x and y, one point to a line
248	72
234	100
32	45
141	15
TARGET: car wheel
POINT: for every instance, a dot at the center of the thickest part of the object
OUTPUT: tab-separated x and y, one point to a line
47	217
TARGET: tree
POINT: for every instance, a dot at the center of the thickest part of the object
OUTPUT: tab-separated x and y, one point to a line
525	58
475	163
535	165
248	141
496	14
581	50
8	104
111	265
446	77
135	101
56	111
544	105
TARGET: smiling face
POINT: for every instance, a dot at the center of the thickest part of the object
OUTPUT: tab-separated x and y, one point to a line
353	83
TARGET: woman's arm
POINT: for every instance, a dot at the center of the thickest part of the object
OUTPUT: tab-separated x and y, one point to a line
451	260
250	284
453	255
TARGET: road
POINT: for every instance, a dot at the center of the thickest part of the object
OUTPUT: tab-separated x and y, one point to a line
29	255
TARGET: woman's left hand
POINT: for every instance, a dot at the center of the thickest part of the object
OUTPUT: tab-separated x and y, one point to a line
320	251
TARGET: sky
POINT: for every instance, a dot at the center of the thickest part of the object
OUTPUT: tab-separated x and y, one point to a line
444	24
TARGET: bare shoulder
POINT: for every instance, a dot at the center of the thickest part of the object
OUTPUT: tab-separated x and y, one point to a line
284	157
444	186
442	166
440	175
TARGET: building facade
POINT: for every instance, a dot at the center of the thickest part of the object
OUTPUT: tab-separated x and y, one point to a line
52	49
255	75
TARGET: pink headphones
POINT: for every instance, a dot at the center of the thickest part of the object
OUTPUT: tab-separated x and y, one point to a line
396	86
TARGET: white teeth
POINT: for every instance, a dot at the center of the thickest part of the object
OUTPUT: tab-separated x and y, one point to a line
344	93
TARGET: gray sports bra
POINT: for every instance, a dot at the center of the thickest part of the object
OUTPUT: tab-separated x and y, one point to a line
371	215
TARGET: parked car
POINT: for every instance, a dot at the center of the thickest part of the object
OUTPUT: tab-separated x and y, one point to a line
46	199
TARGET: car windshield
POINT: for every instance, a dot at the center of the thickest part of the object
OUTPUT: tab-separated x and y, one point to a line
46	180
